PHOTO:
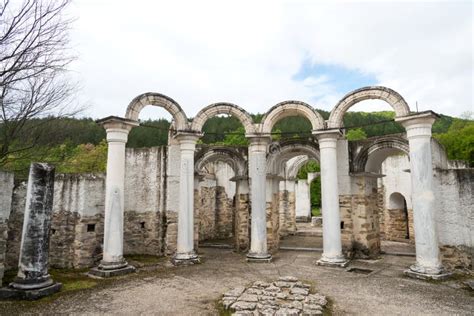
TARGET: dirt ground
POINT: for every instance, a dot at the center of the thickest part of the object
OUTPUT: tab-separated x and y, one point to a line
194	290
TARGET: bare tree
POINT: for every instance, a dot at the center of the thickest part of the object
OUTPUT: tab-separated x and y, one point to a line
34	54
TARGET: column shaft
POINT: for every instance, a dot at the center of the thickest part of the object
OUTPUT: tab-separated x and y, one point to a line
257	168
423	198
185	244
332	246
114	199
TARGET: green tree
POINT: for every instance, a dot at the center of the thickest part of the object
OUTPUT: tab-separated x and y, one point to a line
459	140
356	134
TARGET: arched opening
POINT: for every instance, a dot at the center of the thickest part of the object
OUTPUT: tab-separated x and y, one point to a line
387	158
291	109
397	218
390	96
218	195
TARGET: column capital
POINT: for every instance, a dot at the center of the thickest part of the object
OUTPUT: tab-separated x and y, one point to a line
187	137
117	128
327	134
258	142
115	122
418	124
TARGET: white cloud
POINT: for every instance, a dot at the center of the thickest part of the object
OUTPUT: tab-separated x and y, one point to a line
201	52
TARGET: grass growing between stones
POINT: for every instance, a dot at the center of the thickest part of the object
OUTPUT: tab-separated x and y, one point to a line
221	310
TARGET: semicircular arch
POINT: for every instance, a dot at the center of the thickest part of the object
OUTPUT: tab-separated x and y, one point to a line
393	98
291	108
221	154
223	108
157	99
374	153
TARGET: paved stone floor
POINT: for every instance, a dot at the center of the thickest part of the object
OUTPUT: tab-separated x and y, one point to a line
193	290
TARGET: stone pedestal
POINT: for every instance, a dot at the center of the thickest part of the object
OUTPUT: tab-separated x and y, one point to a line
428	263
332	245
257	174
113	262
185	253
33	280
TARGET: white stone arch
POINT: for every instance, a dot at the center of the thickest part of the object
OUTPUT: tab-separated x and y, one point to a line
375	151
294	165
221	154
393	98
157	99
223	108
281	153
291	108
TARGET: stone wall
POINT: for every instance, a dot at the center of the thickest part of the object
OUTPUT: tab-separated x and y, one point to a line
455	215
224	214
6	192
206	207
242	221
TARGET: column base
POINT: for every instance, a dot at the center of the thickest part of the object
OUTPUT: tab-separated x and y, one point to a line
338	262
419	272
31	294
185	259
111	269
259	257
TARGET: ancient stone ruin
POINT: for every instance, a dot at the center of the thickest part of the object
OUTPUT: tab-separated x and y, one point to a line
167	200
33	280
286	296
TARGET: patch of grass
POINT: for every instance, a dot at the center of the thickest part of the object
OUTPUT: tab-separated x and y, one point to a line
328	309
72	280
316	211
221	310
145	259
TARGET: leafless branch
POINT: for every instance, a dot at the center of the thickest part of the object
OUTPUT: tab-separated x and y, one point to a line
34	55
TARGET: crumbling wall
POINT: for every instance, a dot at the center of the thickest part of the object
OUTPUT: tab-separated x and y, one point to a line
144	200
6	192
455	215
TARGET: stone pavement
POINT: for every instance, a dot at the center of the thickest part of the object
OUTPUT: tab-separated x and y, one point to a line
376	288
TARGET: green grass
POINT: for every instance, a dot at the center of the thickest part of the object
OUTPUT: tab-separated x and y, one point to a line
72	280
145	260
316	211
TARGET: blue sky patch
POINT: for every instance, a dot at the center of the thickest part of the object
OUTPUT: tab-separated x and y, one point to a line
342	79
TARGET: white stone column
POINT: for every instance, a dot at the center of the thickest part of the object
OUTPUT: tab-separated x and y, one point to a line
117	134
418	128
185	252
257	174
332	245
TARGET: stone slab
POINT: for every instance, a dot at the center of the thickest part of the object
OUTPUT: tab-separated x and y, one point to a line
333	264
103	273
15	294
424	276
259	260
185	262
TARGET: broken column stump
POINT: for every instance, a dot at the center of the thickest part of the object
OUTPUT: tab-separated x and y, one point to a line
33	280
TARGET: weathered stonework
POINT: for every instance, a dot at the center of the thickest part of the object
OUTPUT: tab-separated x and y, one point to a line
171	232
15	224
3	246
142	233
206	206
224	214
286	296
287	212
242	222
457	257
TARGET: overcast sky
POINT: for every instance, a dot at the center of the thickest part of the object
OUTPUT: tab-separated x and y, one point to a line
256	54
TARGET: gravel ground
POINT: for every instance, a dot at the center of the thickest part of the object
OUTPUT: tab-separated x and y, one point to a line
194	290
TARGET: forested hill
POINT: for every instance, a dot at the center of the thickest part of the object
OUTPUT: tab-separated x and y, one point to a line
77	145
